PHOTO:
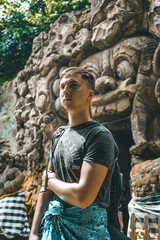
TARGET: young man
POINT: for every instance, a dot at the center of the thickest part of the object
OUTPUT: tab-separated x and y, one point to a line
79	188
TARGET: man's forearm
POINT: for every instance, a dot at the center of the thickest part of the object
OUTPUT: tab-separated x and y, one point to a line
66	191
42	204
83	193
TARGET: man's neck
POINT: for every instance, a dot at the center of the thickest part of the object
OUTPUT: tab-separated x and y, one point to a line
76	119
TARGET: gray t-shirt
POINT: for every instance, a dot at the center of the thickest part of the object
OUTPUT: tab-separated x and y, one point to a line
89	142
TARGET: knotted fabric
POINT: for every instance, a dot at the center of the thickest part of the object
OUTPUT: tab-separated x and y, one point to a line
74	223
142	206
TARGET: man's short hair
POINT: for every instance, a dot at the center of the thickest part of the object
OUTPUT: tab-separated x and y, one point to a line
84	74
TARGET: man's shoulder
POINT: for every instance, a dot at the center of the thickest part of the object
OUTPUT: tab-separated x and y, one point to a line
98	127
59	131
96	130
101	134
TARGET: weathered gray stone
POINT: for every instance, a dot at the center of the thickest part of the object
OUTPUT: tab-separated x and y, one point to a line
145	178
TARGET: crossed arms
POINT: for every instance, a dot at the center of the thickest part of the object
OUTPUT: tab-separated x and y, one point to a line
81	194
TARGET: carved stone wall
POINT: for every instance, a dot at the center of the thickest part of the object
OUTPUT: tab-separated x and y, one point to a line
118	41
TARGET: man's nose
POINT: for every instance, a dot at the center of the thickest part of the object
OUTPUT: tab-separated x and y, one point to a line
66	89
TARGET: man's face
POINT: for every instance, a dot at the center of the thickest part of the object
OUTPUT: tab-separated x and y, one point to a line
74	93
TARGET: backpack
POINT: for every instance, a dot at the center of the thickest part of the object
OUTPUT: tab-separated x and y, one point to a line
116	182
116	192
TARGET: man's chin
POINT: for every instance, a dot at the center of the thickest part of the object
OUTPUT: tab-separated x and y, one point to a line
67	106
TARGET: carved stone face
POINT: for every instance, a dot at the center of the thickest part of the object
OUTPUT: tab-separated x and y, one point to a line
56	36
61	36
42	95
32	83
22	89
38	42
117	70
67	42
75	44
111	20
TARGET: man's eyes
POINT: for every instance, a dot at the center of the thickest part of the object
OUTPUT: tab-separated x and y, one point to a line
73	85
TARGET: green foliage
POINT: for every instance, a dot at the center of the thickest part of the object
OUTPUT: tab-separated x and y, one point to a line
21	22
15	41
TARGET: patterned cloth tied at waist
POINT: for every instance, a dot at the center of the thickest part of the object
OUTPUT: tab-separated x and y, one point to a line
13	215
74	223
148	205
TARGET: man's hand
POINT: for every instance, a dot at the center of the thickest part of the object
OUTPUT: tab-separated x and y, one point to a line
34	237
50	176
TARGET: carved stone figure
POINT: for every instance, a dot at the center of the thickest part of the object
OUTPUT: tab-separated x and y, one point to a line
123	65
11	181
11	169
146	115
115	20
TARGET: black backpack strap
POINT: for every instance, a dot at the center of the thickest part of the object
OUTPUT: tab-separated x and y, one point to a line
120	183
115	195
55	139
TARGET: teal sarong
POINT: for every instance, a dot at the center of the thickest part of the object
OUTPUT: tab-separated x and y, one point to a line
74	223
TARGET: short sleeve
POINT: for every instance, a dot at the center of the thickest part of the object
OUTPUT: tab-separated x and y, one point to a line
101	149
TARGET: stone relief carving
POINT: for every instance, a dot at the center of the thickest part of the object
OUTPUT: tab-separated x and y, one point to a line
115	20
123	65
118	41
11	169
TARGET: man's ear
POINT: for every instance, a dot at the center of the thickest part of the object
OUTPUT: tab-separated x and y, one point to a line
91	94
